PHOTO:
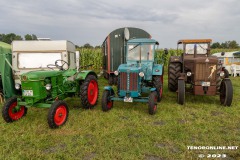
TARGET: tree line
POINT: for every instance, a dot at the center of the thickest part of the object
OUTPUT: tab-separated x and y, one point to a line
8	38
227	45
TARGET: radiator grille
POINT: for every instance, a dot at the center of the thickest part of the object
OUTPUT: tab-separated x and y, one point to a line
203	71
132	81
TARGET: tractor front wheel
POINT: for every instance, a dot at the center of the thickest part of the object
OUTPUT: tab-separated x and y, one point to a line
152	103
58	114
181	91
157	83
107	103
226	92
11	112
89	92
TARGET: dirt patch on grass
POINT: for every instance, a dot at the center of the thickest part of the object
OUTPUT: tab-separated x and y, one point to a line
153	157
159	123
90	156
54	149
216	113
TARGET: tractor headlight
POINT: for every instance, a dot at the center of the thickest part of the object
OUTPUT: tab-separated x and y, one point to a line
141	74
48	86
17	86
222	74
116	73
189	74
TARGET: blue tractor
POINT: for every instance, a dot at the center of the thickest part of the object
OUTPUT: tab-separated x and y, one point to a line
140	79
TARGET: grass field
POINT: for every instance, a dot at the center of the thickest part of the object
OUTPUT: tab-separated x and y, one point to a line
128	131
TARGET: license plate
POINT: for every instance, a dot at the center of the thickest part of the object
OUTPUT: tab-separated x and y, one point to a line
128	99
27	92
205	84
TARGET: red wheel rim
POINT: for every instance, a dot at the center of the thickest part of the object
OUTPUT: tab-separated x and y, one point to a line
109	104
15	113
92	92
60	115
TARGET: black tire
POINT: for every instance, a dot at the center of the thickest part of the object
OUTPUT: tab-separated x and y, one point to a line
57	114
181	91
89	92
152	103
9	112
115	80
110	80
107	104
173	73
157	83
226	92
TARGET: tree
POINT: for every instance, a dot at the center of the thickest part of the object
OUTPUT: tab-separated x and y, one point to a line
8	38
87	45
216	45
28	37
233	44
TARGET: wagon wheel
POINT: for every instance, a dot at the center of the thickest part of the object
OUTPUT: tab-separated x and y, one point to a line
11	112
89	92
107	103
152	103
157	83
181	91
58	114
226	92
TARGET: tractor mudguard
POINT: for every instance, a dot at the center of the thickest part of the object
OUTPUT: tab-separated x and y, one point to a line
83	74
175	59
109	88
157	69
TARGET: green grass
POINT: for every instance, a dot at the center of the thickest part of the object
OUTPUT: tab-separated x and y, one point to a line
127	131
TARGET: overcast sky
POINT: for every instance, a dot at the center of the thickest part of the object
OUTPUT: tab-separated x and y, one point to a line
90	21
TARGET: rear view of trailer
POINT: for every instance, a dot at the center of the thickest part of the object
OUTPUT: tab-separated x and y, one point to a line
114	49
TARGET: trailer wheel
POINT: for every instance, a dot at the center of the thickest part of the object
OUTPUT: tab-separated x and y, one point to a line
58	114
107	104
11	112
89	92
111	79
226	92
173	73
152	103
181	91
157	83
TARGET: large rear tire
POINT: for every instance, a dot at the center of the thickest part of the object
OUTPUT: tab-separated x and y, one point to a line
107	104
58	114
173	73
181	91
10	111
157	83
89	92
226	92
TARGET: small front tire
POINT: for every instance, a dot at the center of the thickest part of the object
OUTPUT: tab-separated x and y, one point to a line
107	103
152	103
11	112
58	114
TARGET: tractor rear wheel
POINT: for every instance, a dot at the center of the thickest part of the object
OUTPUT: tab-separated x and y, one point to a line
111	79
11	112
89	92
107	104
173	73
152	103
58	114
157	83
181	91
226	92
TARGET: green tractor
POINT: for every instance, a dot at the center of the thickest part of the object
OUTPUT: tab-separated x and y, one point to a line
47	85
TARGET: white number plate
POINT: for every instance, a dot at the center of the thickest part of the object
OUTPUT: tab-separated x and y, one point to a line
27	92
128	99
206	84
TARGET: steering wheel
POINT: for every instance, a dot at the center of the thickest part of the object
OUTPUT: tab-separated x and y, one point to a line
60	67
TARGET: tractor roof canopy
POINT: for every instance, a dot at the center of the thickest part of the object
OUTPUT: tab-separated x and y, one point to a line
194	41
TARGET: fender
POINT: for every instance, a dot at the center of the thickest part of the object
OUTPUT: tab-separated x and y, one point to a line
175	59
109	88
83	74
157	69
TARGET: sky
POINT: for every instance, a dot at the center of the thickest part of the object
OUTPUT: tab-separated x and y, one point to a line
90	21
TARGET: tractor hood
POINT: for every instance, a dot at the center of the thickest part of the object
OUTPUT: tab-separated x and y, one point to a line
39	75
129	68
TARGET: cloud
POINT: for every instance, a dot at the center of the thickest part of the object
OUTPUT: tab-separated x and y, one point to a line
90	21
